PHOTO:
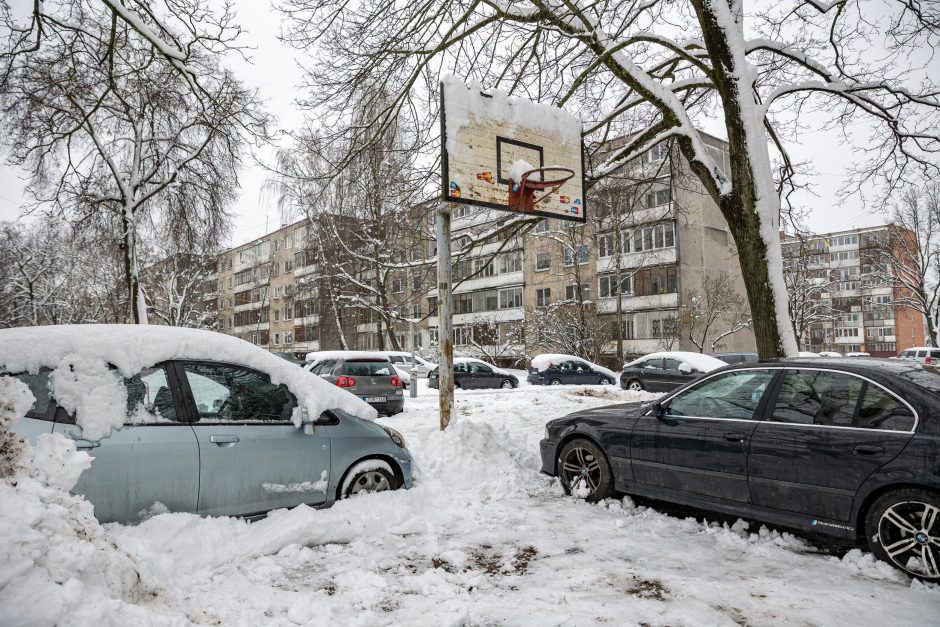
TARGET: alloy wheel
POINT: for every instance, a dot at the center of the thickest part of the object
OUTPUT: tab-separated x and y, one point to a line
635	386
580	468
506	385
554	382
909	533
370	481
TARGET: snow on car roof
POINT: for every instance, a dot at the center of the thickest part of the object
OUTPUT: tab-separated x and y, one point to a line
698	361
467	360
542	362
353	355
83	352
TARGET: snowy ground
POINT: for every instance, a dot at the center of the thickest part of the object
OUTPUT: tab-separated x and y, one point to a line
484	539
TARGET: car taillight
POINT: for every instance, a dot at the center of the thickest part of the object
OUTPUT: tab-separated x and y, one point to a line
396	382
927	361
346	382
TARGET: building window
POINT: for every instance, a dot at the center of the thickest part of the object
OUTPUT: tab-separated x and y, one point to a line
571	292
433	337
543	261
658	198
288	312
511	262
511	298
277	339
416	282
580	253
398	286
543	297
277	315
463	303
485	267
463	336
542	226
416	311
625	329
607	286
654	237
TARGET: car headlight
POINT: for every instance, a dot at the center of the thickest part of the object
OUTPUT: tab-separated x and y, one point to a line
397	438
548	435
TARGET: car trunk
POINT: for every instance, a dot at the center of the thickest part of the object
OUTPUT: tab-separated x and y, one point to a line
373	379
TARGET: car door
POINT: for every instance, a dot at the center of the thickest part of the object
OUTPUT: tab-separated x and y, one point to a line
482	375
252	458
153	458
672	377
700	445
826	432
652	374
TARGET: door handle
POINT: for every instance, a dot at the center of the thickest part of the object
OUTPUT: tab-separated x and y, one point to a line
223	439
868	450
735	437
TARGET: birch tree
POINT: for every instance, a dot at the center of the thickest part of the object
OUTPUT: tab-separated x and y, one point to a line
808	287
649	71
109	128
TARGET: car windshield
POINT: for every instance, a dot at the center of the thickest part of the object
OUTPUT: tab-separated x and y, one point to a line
368	368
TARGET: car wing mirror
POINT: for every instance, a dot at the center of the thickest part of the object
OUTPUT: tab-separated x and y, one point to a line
662	414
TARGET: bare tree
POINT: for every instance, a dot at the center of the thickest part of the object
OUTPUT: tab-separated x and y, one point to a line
568	327
908	259
177	288
108	129
809	281
704	310
493	339
626	69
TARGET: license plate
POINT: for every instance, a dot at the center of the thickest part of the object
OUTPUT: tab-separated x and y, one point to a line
374	399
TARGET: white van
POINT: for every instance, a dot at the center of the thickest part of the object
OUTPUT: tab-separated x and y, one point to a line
922	354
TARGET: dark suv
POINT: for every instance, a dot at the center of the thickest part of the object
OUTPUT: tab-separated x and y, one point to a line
845	448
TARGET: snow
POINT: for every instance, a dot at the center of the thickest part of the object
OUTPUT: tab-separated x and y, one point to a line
462	101
542	362
482	539
351	355
518	169
808	354
307	486
364	466
698	361
82	381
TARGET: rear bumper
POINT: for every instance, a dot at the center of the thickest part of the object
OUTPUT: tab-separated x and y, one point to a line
535	379
391	406
548	450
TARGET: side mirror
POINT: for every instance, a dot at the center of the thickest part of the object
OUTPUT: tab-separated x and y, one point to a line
685	368
660	412
305	416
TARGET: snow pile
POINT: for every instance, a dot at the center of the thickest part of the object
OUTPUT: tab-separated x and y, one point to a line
544	362
82	354
518	169
59	567
698	361
462	101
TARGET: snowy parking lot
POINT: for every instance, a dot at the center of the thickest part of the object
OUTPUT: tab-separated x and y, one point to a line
483	539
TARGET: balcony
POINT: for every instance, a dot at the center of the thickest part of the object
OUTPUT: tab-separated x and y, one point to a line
248	306
247	328
637	260
639	303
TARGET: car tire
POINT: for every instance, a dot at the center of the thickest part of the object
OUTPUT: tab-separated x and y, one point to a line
583	463
506	384
555	382
903	529
368	476
604	381
635	385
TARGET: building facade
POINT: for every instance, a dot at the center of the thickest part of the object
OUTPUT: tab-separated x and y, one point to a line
846	280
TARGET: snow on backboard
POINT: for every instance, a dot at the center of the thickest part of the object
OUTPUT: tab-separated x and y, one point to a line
483	135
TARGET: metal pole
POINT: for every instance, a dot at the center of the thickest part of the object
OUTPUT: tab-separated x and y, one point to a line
445	326
413	385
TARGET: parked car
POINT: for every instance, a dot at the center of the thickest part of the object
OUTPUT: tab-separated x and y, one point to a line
830	354
843	448
370	376
554	369
212	424
475	374
402	362
735	358
926	355
661	372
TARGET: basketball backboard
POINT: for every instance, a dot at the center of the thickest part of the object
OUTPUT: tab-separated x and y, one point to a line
491	141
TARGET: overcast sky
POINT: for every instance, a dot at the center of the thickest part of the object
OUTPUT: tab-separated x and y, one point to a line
274	71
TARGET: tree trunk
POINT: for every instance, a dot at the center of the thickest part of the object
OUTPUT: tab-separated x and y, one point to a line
131	278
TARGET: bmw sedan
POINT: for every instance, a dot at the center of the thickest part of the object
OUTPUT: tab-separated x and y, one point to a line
844	448
475	374
198	421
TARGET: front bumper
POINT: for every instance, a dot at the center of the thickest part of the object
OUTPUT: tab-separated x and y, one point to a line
407	473
548	450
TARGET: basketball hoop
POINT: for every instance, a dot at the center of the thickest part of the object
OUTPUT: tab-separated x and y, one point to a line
522	194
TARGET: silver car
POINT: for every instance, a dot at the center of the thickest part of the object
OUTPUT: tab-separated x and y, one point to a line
217	439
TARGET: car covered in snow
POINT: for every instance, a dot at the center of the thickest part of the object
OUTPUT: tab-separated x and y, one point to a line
475	374
665	371
557	369
368	375
847	448
402	362
197	421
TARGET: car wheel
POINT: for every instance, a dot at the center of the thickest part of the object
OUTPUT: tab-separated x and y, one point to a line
555	382
635	385
903	529
604	381
506	384
370	475
584	471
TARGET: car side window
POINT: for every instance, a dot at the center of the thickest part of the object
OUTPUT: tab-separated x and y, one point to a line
227	393
817	397
481	368
727	395
880	410
39	385
460	367
652	364
149	398
670	364
580	366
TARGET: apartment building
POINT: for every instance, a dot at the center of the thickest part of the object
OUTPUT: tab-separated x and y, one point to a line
652	235
851	284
